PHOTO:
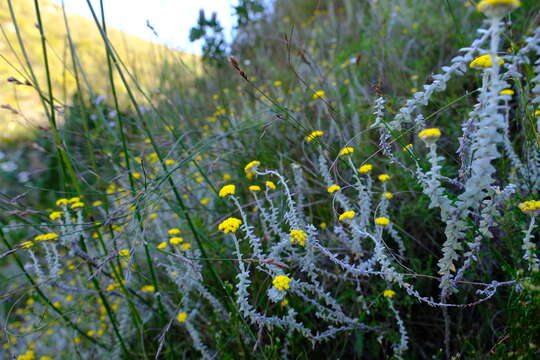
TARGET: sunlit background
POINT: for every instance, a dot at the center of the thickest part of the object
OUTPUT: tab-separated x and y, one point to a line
171	19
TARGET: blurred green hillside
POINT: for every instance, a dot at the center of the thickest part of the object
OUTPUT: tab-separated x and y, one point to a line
21	109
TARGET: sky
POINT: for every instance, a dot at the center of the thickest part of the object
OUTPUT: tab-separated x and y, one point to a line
172	19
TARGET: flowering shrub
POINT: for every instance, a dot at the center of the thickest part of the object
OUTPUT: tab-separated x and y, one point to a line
341	233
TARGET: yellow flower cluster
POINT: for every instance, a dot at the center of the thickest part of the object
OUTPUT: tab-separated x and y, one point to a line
389	293
55	215
313	135
281	282
298	236
346	151
531	207
333	188
254	188
429	135
181	317
148	288
227	190
484	61
29	355
252	166
271	185
230	225
507	92
318	94
384	177
46	237
364	169
497	8
382	221
347	215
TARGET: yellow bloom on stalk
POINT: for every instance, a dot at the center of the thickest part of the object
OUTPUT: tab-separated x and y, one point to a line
537	112
123	252
430	135
162	245
55	215
382	221
277	83
255	188
170	162
389	293
227	190
97	203
531	207
176	240
364	169
384	177
313	135
185	247
484	61
148	288
252	166
174	231
346	151
46	237
388	195
77	205
497	8
227	177
298	236
26	244
318	94
507	92
281	282
333	188
181	317
347	215
271	185
62	202
230	225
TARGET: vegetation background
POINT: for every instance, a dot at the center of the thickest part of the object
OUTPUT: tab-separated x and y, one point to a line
145	137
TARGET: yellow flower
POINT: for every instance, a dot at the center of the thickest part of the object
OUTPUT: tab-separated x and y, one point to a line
230	225
77	204
382	221
277	83
322	225
271	185
318	94
389	293
347	215
407	147
537	112
255	188
148	288
333	188
205	201
174	231
484	61
284	303
298	236
313	135
124	252
46	237
136	175
162	245
26	244
281	282
384	177
176	240
364	169
388	195
497	8
55	215
97	203
227	177
346	151
62	202
170	162
252	166
181	317
429	135
227	190
531	207
507	92
74	200
185	246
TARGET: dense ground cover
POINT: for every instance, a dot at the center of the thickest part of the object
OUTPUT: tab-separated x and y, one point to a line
358	180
